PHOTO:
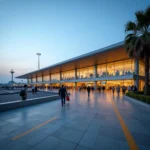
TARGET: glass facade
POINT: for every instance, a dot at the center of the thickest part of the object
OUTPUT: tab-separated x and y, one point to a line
55	77
128	67
101	71
68	75
85	73
33	80
29	81
113	69
39	79
46	78
119	68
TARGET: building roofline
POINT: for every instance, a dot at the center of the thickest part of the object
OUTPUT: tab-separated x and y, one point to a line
107	48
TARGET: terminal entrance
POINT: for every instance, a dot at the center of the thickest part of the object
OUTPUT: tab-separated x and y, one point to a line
115	83
69	85
84	85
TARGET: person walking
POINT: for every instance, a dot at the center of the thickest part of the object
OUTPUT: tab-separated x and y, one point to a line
99	89
129	88
103	88
118	89
113	89
88	90
33	89
123	89
23	92
62	94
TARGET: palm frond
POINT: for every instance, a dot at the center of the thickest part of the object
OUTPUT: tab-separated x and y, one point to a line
147	14
129	36
130	26
129	43
147	38
141	21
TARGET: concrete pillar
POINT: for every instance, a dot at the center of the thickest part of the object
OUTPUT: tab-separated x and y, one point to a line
36	79
75	73
31	80
136	69
42	78
95	71
95	85
49	76
75	85
60	75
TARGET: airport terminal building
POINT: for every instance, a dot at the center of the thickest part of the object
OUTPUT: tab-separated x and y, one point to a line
109	66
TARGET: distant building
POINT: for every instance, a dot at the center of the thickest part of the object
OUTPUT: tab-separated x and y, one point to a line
109	66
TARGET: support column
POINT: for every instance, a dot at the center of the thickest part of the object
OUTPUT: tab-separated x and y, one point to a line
60	75
50	77
75	85
42	78
95	85
136	69
31	80
95	71
75	73
36	79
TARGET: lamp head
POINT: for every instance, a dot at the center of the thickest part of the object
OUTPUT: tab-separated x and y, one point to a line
38	54
11	71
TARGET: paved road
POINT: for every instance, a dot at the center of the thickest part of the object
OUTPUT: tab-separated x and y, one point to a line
15	97
101	122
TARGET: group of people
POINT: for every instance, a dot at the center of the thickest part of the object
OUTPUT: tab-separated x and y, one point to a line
101	88
132	88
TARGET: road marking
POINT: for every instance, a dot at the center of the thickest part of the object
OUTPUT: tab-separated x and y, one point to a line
32	129
129	138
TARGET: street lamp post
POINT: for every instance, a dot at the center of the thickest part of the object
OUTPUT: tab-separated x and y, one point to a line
12	72
38	60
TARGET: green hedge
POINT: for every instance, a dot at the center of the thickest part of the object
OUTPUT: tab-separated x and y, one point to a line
139	97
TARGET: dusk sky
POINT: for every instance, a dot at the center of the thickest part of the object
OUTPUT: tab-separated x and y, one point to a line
59	30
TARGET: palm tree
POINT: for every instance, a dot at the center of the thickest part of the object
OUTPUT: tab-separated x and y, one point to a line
137	40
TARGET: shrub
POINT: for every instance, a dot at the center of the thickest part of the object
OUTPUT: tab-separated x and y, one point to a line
139	96
139	92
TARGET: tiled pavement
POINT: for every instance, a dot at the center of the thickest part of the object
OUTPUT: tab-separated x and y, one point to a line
83	124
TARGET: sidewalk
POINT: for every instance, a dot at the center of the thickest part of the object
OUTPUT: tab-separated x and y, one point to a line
82	124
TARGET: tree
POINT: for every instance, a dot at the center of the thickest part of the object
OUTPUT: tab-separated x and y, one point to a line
137	40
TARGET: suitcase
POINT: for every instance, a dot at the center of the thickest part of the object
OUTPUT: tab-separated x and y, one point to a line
67	98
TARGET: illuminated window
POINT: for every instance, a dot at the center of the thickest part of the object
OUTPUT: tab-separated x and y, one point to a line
46	78
85	73
55	76
33	80
127	67
39	79
110	69
29	80
101	71
118	68
68	75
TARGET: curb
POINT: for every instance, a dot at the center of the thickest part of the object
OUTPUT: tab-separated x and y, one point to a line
10	93
137	101
23	103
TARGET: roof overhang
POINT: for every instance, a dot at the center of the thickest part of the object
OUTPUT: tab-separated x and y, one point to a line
108	54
